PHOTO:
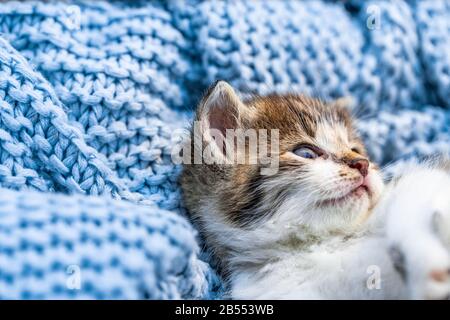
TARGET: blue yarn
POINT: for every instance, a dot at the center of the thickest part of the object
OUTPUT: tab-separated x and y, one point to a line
120	250
88	108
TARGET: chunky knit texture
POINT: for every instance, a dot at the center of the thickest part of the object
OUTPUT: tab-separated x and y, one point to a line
87	247
91	93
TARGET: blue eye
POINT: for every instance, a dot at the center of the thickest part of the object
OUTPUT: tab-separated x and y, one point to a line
306	152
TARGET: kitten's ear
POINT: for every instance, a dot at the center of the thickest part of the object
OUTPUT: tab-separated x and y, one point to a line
346	102
221	109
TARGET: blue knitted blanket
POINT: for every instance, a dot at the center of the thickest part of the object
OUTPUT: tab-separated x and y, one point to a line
91	92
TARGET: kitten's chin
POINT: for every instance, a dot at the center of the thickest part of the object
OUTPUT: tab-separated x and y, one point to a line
354	195
343	215
353	208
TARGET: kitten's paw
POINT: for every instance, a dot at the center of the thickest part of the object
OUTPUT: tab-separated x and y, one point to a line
441	224
418	229
437	283
431	281
426	272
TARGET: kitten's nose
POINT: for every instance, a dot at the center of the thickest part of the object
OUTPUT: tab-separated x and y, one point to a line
360	164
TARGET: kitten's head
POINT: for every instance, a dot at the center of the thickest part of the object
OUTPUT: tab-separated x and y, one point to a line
324	183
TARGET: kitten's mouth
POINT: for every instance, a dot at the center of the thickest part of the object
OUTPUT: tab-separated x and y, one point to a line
358	192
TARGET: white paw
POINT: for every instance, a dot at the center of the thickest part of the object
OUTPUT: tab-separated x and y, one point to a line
426	273
437	272
441	223
419	233
424	261
430	278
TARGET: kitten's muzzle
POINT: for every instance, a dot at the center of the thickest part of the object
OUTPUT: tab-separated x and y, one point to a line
360	164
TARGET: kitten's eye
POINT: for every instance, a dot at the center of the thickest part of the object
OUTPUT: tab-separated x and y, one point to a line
356	150
306	152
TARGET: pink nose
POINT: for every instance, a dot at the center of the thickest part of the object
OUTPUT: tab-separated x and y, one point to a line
360	164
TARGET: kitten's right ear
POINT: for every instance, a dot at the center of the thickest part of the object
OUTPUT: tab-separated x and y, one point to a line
346	102
221	109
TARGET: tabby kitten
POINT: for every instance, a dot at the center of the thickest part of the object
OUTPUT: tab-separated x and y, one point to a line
320	226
